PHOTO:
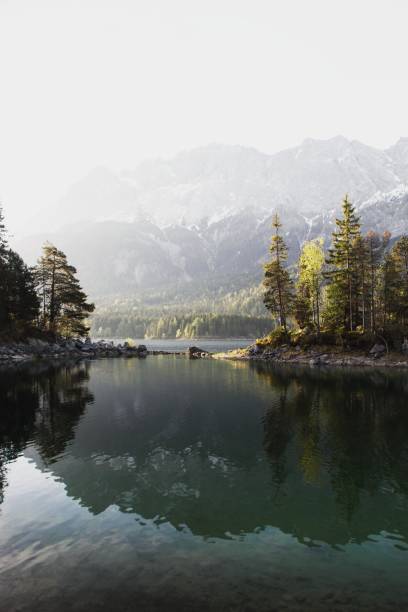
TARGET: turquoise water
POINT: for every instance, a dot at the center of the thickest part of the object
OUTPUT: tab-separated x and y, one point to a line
170	484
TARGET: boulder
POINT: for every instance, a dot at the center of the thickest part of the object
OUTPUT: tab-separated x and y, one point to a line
194	352
377	350
142	350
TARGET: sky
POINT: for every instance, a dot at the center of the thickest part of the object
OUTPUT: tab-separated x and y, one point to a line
111	82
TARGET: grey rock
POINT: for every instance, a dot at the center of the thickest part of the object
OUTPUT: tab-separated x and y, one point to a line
377	349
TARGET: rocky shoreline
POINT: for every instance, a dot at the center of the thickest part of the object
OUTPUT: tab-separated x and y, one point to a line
35	349
319	356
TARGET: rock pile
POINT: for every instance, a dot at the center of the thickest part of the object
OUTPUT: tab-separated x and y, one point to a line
40	349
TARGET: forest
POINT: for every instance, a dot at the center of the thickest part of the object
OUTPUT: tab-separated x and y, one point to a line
189	325
359	286
45	300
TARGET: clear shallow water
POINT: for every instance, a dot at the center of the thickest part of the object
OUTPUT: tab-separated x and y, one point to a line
169	484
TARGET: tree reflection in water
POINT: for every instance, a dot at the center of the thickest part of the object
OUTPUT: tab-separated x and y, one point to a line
41	405
219	448
346	432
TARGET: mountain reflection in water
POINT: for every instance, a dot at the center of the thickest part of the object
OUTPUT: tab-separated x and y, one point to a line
219	450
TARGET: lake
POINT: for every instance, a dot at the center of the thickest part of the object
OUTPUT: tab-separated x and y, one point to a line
213	345
176	484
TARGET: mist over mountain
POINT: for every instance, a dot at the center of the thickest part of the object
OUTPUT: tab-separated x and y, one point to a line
205	215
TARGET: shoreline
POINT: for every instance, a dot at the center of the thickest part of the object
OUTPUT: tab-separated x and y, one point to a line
40	350
317	358
35	350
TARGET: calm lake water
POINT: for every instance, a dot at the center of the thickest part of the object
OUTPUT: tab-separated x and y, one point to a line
213	345
169	484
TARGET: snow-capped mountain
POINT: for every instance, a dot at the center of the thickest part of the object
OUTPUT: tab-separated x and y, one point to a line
212	182
206	214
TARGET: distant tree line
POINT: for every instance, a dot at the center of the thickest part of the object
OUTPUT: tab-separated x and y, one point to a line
178	326
46	298
360	285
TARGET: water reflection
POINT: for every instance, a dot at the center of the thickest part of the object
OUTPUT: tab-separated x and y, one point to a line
338	446
219	449
40	405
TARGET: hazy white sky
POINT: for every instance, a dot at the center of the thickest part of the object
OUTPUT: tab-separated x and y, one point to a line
89	82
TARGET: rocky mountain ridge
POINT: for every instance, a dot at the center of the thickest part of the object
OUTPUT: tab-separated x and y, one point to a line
205	216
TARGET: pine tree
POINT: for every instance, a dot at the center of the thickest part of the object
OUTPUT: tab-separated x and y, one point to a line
400	255
278	296
375	246
3	272
64	304
343	261
389	290
3	232
362	281
18	299
23	302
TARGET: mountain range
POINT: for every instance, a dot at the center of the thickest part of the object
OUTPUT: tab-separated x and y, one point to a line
203	218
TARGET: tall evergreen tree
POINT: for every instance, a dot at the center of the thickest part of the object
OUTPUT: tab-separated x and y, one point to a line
362	282
278	296
3	232
3	272
375	246
389	290
64	305
343	261
400	255
23	302
18	299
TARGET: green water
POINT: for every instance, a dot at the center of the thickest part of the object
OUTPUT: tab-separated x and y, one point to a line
169	484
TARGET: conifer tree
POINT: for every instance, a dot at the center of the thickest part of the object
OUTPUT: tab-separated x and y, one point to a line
64	304
3	232
375	246
278	296
362	281
18	299
23	302
343	260
400	255
389	286
3	272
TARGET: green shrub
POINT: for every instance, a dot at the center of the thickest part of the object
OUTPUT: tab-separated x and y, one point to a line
275	338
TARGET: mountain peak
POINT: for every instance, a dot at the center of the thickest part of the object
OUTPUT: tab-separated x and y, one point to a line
210	181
